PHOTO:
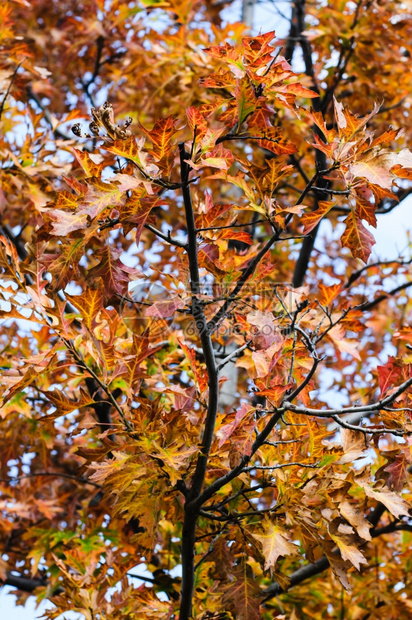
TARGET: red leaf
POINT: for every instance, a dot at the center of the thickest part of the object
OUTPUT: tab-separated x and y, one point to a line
389	375
398	472
227	430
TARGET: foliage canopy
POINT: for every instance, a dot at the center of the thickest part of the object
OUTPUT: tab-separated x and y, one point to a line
167	242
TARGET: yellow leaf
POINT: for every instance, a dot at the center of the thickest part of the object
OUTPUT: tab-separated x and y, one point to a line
274	543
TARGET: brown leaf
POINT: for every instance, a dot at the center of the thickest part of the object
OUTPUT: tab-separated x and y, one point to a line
355	517
244	595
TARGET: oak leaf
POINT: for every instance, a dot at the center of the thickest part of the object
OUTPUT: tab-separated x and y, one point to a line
274	542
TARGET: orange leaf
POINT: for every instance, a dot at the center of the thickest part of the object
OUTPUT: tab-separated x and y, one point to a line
198	121
161	136
89	304
327	294
258	52
128	149
300	91
90	167
312	219
238	235
357	238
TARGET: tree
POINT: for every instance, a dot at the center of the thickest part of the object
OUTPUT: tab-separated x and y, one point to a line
137	251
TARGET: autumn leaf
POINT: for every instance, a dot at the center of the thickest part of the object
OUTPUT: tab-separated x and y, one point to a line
161	431
274	140
65	405
349	551
391	500
129	149
17	382
377	164
244	595
300	91
64	266
197	122
173	458
356	519
224	433
274	543
165	308
115	274
343	344
328	294
353	445
103	470
357	238
161	136
398	472
257	50
89	304
390	375
230	56
312	219
245	100
242	236
348	123
90	163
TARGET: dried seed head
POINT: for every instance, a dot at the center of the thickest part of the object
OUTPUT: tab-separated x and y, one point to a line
94	129
77	130
103	119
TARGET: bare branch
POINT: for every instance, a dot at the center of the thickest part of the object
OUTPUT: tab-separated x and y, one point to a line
167	237
232	355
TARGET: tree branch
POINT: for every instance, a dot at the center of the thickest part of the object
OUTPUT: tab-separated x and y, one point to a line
191	511
167	237
329	413
233	473
55	474
310	570
368	305
308	243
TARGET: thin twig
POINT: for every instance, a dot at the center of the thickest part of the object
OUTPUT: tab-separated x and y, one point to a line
167	237
13	77
56	474
82	364
229	226
280	466
235	353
